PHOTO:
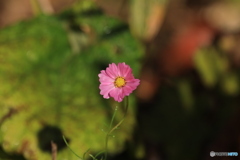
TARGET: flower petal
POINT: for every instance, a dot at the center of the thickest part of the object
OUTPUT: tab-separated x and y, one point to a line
107	79
112	71
133	83
117	94
127	90
124	69
105	90
103	77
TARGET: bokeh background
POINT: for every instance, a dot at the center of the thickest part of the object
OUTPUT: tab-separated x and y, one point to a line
185	52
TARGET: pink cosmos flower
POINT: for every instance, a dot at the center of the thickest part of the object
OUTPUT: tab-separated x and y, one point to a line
117	81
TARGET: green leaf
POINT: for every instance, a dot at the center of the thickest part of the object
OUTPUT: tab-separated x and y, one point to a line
52	87
210	65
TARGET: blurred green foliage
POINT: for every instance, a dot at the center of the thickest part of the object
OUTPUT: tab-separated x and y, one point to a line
49	84
215	70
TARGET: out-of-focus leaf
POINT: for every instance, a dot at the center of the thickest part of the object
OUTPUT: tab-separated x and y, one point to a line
82	5
205	68
230	83
54	89
35	7
210	65
105	24
146	17
184	87
140	152
118	9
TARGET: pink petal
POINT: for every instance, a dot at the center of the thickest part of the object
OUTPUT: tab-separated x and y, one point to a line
108	77
117	94
104	78
124	69
127	90
133	83
129	76
112	71
105	90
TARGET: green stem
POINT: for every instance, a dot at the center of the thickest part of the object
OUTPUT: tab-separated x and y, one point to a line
85	154
71	149
110	130
99	153
35	7
107	135
120	122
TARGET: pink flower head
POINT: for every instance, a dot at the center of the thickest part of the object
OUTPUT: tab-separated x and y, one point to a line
117	81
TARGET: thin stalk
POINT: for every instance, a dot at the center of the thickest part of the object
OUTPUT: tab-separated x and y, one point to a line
99	153
107	135
85	153
120	122
71	149
110	130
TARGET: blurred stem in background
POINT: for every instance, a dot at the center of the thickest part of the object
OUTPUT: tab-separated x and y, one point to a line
42	7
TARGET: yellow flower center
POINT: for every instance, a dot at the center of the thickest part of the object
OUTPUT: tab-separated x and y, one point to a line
119	82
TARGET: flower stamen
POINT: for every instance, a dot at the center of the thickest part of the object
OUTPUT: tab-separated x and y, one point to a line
120	82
